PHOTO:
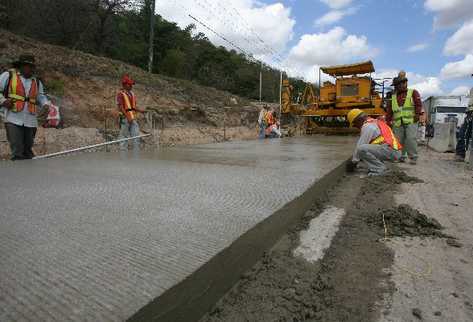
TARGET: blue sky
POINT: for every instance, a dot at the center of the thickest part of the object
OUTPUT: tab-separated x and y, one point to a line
431	39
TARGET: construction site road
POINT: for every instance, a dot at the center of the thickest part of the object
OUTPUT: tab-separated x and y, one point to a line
156	236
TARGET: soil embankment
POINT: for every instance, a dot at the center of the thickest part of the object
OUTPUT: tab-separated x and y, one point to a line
84	86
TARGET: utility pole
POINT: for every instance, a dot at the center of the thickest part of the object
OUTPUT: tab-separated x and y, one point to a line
280	99
260	81
151	35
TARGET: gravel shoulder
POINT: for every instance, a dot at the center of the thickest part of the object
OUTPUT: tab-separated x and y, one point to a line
433	278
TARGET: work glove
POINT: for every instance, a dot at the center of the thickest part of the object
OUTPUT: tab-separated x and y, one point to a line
8	104
351	166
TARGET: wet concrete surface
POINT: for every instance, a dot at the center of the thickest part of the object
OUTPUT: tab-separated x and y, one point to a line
97	236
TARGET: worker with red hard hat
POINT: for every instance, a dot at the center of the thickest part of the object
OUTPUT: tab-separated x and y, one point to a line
126	102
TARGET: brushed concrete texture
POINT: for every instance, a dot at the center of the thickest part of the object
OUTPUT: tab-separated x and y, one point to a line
98	236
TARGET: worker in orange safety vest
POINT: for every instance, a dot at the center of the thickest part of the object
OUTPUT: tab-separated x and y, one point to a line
126	103
377	143
21	98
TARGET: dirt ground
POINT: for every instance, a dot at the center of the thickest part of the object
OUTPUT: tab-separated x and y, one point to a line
55	140
434	277
402	252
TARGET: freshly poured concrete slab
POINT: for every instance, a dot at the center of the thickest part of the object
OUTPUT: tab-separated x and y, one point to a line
98	236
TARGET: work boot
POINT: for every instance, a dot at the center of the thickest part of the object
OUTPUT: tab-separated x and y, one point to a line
459	158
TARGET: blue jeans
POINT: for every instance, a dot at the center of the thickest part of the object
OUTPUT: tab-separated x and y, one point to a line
129	129
262	129
407	135
464	136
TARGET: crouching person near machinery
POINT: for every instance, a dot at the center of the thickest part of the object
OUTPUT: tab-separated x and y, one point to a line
377	143
126	101
272	129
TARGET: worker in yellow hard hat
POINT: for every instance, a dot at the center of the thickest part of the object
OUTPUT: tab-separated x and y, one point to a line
377	143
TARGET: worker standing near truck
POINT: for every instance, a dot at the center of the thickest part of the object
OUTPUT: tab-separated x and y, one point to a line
126	102
466	132
377	143
403	112
21	98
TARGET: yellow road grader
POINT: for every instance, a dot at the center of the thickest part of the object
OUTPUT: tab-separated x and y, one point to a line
352	86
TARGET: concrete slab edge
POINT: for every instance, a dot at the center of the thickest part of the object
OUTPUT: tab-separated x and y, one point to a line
190	299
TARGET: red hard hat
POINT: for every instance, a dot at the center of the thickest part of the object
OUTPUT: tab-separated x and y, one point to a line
127	80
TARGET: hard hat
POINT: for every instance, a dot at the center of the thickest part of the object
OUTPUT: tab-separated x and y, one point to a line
353	114
127	80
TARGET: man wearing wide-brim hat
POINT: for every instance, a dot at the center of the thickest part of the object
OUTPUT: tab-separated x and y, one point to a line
21	97
403	112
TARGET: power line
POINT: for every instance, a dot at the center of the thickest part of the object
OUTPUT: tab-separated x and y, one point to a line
219	35
277	58
237	27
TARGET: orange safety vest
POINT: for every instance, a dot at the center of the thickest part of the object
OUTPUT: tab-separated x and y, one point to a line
129	105
269	118
16	92
270	122
387	135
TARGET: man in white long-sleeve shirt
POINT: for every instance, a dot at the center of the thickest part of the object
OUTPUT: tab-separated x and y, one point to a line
377	143
262	121
21	93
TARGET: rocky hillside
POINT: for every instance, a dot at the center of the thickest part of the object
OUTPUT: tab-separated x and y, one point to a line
85	87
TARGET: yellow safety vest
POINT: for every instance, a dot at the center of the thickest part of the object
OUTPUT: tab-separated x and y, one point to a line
403	114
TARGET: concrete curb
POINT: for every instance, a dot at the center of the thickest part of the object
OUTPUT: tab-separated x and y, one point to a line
193	297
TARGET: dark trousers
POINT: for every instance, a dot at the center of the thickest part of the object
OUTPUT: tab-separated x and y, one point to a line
464	136
21	139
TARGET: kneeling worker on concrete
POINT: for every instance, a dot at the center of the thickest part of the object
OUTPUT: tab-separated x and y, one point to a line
377	143
126	101
21	96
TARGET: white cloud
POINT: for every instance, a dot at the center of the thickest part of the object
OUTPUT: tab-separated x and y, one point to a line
334	16
332	47
461	42
236	20
460	90
417	47
458	69
426	85
337	4
385	73
450	13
